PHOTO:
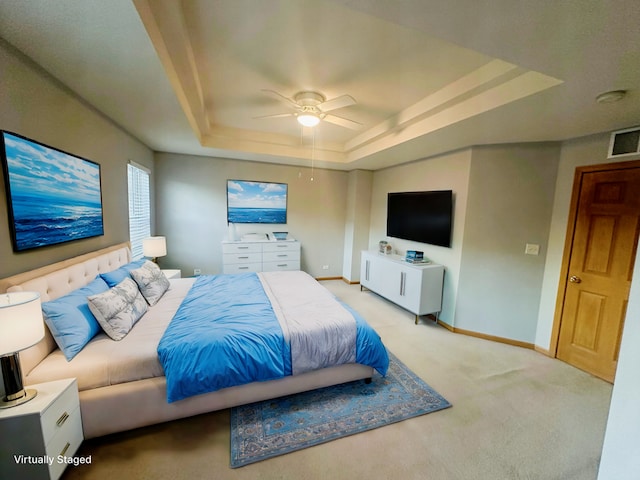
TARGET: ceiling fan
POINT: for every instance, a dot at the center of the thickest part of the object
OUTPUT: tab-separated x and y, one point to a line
311	107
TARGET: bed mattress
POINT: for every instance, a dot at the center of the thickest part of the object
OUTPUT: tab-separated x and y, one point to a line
104	362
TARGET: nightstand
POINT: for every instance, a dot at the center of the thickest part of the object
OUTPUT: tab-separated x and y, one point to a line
39	435
172	273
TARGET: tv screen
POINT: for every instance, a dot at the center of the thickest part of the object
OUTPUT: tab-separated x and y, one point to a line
421	216
52	196
256	202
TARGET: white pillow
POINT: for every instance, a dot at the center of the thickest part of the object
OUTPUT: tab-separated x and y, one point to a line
151	282
118	309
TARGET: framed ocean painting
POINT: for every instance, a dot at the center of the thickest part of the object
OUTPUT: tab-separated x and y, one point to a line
256	202
52	196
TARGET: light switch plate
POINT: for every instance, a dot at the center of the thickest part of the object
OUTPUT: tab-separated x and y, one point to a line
532	249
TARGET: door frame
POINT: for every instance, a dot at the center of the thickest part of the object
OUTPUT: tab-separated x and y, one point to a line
568	242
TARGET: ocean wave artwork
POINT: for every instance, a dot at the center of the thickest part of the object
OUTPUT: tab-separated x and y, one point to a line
256	202
54	196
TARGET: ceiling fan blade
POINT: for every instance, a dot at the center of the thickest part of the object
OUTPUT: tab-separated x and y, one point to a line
343	122
277	115
281	98
338	102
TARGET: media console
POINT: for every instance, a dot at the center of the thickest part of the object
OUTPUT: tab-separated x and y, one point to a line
414	287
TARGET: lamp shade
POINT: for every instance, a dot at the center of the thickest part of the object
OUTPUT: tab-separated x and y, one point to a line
154	247
21	323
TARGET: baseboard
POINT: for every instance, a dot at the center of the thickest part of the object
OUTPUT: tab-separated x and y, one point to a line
320	279
543	351
493	338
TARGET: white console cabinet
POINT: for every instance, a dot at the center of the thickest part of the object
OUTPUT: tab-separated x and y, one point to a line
260	256
414	287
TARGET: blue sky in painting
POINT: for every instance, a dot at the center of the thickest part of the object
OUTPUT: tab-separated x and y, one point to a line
48	175
243	194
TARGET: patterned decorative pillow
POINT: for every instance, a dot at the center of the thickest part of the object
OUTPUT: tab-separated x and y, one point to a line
151	282
118	309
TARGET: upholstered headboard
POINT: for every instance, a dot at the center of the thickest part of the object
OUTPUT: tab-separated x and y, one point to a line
58	279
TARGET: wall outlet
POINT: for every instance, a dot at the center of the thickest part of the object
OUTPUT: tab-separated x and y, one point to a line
532	249
325	267
197	271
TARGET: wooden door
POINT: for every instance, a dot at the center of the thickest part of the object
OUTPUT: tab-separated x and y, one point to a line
600	265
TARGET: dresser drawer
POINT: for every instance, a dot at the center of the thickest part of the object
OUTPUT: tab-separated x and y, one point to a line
249	257
58	414
282	265
242	267
240	247
282	255
281	246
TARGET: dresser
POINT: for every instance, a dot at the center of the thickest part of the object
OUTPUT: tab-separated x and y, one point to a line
414	287
40	437
260	256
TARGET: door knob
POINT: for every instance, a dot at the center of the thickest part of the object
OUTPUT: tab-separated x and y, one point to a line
575	279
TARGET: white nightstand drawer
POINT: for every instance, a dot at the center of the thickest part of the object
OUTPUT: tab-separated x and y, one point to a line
65	443
281	246
240	247
278	256
243	267
56	416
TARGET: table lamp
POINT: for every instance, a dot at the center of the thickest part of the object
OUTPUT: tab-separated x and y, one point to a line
21	326
154	247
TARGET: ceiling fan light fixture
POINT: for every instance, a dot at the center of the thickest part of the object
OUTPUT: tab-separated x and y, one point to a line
308	119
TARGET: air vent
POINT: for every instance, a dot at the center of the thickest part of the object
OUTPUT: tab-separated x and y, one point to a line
625	143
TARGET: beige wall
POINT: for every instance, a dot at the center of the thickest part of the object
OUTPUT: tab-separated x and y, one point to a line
510	198
34	105
192	211
356	235
446	172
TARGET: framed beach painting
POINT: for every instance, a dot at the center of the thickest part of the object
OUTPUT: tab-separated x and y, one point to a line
52	196
256	202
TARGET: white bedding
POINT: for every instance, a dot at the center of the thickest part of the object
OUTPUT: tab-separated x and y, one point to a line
104	361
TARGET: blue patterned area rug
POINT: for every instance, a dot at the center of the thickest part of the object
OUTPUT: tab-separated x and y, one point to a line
274	427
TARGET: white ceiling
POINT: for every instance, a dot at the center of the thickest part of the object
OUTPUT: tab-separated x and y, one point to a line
428	76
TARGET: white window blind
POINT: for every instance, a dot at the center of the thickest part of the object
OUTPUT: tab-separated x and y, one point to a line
139	208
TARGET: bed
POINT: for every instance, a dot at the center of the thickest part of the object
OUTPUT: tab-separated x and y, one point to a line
122	384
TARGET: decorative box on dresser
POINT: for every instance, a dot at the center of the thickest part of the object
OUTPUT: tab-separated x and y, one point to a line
40	434
414	287
260	256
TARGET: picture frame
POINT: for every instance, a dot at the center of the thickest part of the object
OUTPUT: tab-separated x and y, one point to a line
53	196
256	202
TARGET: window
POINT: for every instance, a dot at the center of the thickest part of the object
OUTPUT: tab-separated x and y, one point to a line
139	207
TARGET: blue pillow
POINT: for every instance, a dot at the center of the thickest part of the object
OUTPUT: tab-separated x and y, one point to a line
69	319
115	277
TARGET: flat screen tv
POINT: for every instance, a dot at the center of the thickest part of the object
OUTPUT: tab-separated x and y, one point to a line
52	196
424	217
256	202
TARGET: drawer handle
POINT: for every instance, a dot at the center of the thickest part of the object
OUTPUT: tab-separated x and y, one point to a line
243	258
283	265
283	255
243	268
63	418
64	450
243	248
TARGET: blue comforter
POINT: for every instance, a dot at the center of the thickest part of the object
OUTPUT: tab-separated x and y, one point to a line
225	333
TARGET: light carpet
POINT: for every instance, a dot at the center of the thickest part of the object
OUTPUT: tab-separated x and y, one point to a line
271	428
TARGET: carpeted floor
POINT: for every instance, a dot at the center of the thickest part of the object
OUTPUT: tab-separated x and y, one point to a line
270	428
516	414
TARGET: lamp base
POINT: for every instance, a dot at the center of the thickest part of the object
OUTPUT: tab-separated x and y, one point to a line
27	394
